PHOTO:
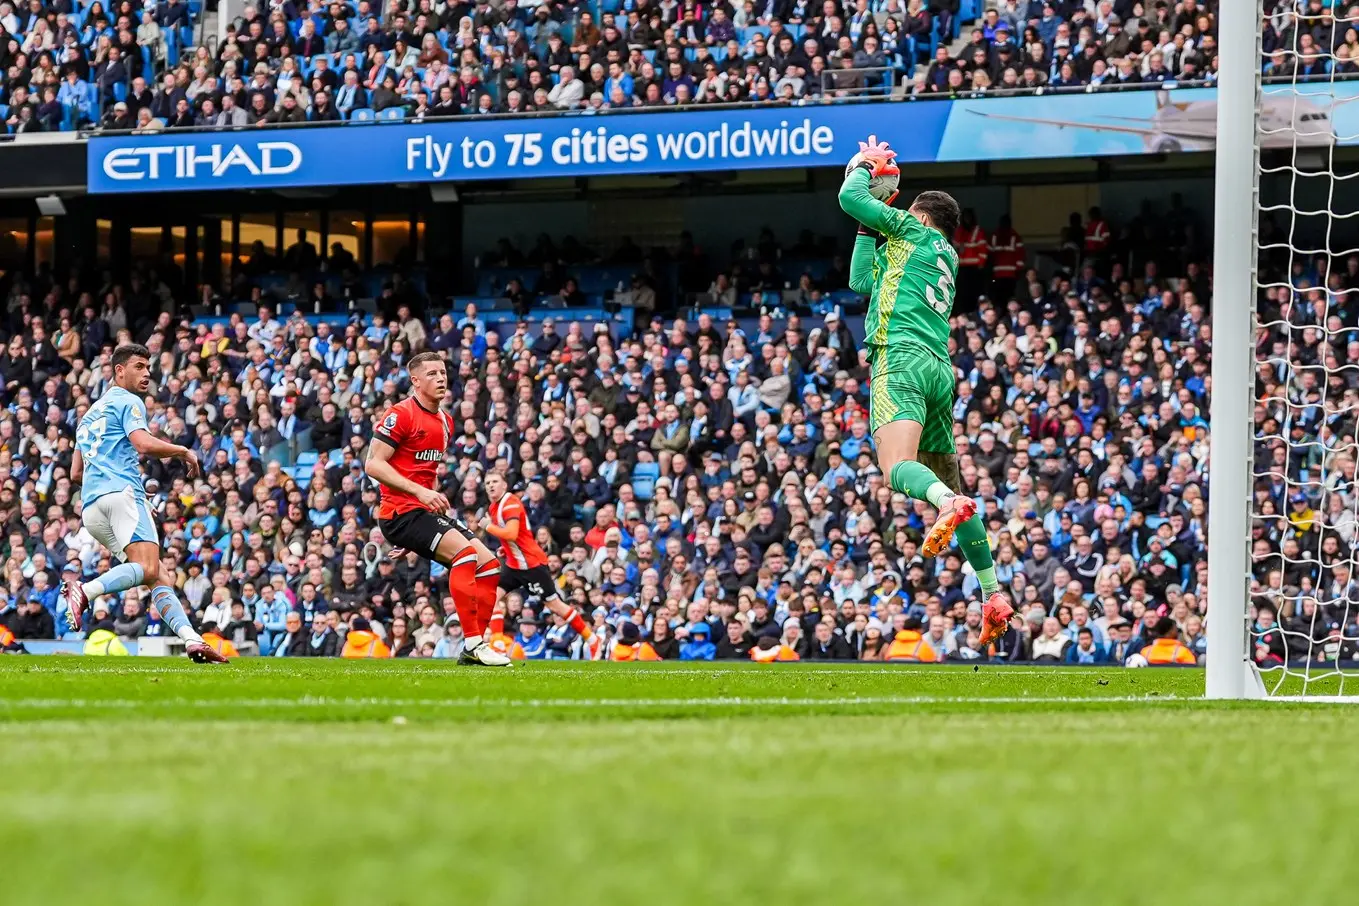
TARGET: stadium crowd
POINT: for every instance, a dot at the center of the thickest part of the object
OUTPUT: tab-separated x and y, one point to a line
703	489
68	64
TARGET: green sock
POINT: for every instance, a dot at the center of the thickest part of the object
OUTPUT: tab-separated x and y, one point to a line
971	536
918	481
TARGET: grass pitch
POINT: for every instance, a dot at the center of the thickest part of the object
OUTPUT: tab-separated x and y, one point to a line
324	782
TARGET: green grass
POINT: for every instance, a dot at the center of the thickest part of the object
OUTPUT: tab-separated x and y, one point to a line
150	782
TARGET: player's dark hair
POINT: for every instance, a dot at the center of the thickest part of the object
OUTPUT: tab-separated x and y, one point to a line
943	211
421	358
127	351
1165	628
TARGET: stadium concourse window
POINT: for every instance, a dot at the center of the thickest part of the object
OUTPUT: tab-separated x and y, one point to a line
14	241
45	241
398	239
347	230
257	242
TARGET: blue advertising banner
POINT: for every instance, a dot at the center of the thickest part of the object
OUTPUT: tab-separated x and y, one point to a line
473	149
1009	128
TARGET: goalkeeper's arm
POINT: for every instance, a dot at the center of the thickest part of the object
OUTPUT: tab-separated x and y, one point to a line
861	276
859	203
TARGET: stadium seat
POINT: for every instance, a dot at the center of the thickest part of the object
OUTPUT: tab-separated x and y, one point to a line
392	114
644	476
361	115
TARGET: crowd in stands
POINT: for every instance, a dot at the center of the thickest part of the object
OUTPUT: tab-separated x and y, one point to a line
704	489
1026	45
131	66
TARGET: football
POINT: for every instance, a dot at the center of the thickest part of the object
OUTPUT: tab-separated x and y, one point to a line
880	187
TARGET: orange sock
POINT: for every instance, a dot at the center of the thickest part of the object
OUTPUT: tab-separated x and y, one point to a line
462	584
487	580
574	620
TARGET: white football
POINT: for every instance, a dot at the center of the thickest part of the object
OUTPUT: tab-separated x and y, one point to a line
1136	660
880	187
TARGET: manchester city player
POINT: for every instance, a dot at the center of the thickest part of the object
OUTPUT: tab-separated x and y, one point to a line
109	441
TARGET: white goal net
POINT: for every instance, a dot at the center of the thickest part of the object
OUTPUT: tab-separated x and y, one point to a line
1302	631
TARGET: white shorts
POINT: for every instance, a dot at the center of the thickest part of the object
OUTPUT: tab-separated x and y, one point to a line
119	519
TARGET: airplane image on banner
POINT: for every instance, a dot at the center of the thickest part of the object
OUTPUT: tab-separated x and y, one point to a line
1286	121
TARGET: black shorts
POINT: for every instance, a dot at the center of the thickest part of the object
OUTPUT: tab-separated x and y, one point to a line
536	581
420	531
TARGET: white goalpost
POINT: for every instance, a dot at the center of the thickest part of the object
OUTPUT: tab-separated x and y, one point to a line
1236	207
1283	533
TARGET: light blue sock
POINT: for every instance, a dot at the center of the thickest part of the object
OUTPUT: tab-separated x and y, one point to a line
172	612
120	578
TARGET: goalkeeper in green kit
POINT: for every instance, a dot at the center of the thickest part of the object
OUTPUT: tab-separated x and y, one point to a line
910	283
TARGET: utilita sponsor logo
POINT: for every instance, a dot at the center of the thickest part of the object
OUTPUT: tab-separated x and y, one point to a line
195	161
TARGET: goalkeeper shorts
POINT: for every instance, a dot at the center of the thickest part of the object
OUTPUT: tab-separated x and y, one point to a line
908	383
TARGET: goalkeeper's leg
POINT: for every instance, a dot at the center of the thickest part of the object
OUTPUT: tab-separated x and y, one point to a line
914	406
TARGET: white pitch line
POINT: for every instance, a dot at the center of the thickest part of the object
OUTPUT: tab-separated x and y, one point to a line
549	703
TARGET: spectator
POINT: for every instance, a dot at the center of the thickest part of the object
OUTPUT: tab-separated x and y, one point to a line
697	644
567	93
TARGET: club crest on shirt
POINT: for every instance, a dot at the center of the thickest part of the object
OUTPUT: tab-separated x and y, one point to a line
389	423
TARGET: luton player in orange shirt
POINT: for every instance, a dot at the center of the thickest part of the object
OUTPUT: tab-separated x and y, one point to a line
410	442
523	563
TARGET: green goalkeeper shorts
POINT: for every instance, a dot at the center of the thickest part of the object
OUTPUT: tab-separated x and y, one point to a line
910	384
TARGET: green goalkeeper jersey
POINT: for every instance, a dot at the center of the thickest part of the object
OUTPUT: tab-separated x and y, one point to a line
910	280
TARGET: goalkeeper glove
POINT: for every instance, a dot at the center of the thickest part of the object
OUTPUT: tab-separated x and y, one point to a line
878	158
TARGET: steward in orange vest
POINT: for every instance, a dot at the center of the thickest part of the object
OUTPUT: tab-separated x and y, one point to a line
1166	647
768	650
1007	260
970	240
1096	234
506	645
219	644
628	647
363	642
910	645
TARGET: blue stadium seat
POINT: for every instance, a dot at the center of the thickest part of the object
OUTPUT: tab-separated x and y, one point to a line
745	34
644	476
361	115
392	114
307	458
720	53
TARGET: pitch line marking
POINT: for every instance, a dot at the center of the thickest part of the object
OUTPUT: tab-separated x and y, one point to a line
550	703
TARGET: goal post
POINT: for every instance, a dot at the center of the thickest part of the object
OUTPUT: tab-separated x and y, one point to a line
1236	213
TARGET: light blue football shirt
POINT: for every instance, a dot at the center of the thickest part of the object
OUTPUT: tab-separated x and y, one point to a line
112	464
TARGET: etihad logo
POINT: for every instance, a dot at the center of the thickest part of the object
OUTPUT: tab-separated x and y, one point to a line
194	161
